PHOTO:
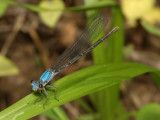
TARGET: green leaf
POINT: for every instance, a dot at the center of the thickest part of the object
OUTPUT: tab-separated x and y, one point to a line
95	5
34	8
11	2
99	53
151	28
76	85
56	113
156	78
122	114
89	117
149	112
114	55
50	18
85	105
3	7
7	67
127	50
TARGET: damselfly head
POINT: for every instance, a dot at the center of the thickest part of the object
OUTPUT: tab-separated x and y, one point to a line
35	85
40	86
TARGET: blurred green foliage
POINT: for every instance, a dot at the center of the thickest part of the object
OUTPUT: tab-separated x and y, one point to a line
7	67
149	112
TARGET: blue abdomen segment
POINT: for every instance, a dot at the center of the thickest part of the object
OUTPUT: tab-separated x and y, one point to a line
46	76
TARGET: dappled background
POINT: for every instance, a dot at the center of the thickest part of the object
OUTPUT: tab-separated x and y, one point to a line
30	42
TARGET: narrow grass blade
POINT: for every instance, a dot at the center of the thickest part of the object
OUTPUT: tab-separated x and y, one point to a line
74	86
56	113
110	96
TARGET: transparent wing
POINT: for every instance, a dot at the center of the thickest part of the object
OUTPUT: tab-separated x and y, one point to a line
89	34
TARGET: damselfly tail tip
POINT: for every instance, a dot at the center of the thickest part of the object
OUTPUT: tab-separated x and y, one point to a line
116	28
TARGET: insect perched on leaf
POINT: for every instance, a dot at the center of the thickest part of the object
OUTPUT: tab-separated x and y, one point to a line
80	47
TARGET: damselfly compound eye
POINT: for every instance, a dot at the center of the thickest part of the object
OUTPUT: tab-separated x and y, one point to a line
40	85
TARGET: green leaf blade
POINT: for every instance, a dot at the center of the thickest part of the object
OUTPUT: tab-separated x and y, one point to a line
7	67
149	112
150	28
56	113
76	85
